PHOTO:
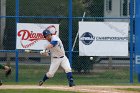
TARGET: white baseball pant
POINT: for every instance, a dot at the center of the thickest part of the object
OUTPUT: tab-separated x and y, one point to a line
55	63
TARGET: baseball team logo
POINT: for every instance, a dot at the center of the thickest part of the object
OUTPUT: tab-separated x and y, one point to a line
30	37
87	38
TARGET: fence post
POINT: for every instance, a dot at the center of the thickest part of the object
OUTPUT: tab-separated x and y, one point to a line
131	41
16	51
70	32
17	11
137	39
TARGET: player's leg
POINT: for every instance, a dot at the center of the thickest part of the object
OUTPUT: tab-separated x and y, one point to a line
66	66
55	63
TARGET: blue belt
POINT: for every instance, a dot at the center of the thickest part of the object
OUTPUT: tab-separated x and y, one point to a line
59	57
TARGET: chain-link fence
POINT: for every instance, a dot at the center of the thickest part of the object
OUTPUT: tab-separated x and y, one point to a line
31	67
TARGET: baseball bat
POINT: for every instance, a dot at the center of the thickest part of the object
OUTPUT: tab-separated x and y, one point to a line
32	51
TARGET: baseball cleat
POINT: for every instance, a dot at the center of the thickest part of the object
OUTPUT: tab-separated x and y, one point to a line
71	83
0	82
41	83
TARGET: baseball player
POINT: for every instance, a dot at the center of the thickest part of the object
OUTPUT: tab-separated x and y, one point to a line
7	70
58	58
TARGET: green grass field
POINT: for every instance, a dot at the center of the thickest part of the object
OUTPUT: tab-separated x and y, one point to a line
31	74
33	91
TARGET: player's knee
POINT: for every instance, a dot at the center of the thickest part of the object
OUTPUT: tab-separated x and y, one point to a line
49	75
68	70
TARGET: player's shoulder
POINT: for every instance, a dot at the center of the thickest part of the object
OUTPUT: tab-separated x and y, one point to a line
55	38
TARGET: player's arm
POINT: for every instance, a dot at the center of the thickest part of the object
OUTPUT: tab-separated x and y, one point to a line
51	45
45	52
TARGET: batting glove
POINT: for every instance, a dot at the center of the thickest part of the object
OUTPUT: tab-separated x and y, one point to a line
43	51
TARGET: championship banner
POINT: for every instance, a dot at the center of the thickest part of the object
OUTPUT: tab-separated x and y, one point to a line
103	38
29	35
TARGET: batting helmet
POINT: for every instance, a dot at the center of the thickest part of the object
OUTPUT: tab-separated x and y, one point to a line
46	32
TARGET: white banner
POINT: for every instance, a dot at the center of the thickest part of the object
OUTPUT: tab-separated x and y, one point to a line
103	38
29	35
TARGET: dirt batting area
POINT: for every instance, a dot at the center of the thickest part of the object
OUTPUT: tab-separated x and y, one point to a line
78	88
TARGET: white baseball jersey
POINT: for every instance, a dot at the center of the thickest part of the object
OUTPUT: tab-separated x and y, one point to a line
58	49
